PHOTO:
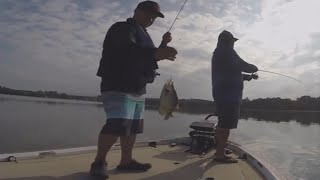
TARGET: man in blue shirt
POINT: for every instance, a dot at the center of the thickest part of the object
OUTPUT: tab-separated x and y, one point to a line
128	64
227	87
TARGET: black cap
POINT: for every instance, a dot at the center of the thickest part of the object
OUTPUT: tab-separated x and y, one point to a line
226	36
150	6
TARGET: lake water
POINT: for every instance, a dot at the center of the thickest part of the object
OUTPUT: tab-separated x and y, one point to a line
290	141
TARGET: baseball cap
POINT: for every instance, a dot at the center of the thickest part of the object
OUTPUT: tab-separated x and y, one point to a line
150	6
226	35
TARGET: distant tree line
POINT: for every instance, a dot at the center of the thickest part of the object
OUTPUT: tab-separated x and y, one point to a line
45	94
301	103
304	103
302	117
195	106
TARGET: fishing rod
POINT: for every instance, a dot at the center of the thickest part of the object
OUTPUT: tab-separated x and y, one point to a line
281	75
259	70
157	74
177	15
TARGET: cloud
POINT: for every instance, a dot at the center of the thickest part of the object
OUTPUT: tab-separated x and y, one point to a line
56	45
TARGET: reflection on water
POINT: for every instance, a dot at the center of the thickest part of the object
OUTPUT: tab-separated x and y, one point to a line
40	124
290	141
302	117
290	147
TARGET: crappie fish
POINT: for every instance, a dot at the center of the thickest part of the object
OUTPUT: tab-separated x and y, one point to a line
168	100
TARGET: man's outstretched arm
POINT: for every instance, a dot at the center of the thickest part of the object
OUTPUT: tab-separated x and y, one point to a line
233	61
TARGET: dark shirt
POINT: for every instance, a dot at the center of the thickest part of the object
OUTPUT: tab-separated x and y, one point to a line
227	79
128	62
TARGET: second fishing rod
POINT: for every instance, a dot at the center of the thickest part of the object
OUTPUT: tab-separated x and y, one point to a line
253	75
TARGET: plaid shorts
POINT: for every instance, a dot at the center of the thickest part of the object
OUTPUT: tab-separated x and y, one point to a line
124	113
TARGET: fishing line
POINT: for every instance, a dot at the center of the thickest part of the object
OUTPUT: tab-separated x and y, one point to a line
282	75
259	70
177	17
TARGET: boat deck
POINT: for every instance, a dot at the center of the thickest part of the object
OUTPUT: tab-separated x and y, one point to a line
168	163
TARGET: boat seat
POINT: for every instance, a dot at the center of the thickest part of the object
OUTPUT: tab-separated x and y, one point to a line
202	136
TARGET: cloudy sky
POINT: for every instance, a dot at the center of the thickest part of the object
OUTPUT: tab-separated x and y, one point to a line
57	44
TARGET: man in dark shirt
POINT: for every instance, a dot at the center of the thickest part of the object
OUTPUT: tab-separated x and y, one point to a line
128	64
227	87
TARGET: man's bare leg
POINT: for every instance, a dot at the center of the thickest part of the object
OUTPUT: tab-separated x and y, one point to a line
105	143
127	144
99	166
127	162
222	136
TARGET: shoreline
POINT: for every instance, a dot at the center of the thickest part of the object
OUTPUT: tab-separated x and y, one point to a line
151	106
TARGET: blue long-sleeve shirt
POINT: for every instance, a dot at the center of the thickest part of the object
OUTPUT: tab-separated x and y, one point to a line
227	79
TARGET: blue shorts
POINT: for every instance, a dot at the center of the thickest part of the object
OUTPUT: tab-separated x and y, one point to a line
124	113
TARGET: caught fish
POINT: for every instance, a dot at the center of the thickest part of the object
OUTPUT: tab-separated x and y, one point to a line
168	100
